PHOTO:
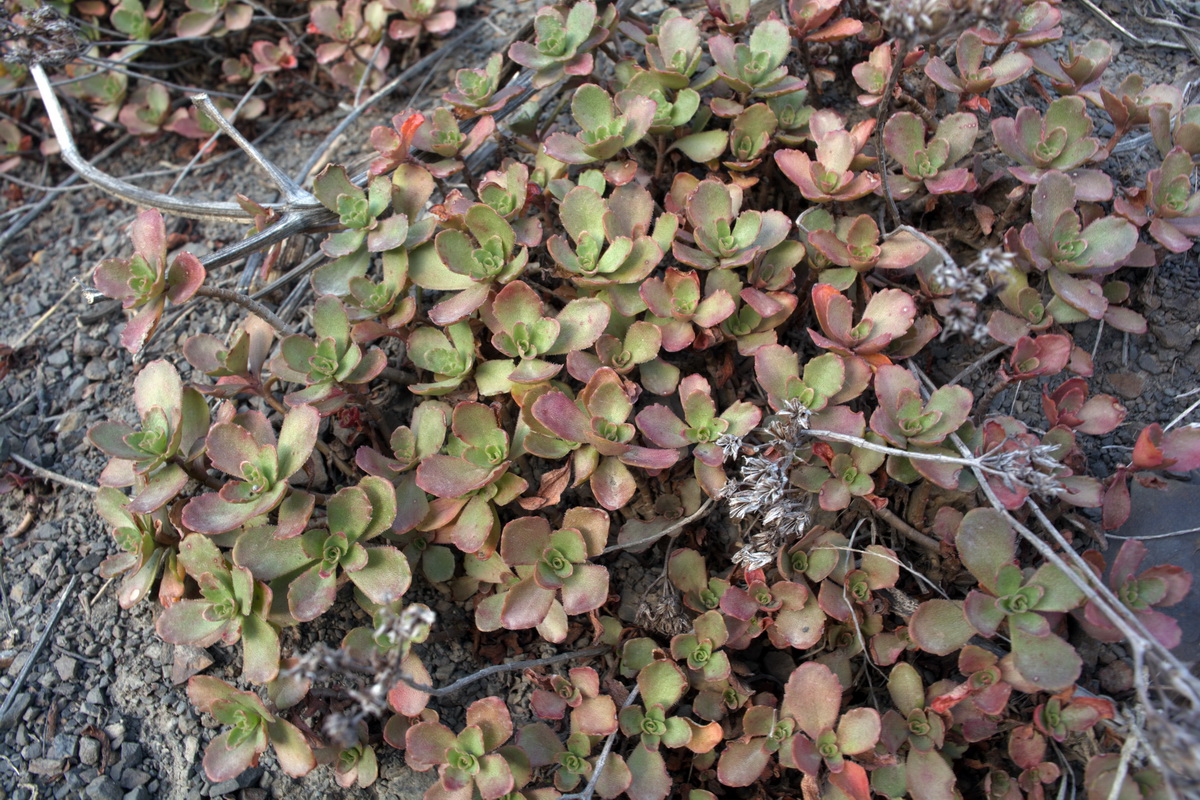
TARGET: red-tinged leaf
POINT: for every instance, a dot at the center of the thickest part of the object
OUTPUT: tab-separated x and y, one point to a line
1147	450
494	779
425	745
295	757
586	589
185	623
203	691
448	476
928	775
940	627
742	762
650	778
1181	447
403	698
985	543
853	781
613	484
184	277
224	761
562	417
525	605
813	697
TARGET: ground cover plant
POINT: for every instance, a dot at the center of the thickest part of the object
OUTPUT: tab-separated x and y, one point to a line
674	289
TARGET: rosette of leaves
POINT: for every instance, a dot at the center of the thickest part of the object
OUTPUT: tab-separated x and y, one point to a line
521	331
853	242
270	57
203	16
474	760
985	689
662	684
792	114
147	542
674	49
1064	244
471	263
154	459
355	32
1142	593
1059	141
809	18
700	428
603	132
245	448
1079	71
1064	713
144	281
563	41
888	315
1129	104
439	134
326	558
1175	209
232	606
970	75
637	348
470	479
828	379
676	306
252	728
688	573
1182	130
597	430
757	313
592	713
755	68
359	211
924	772
238	366
554	577
724	235
872	75
1041	660
613	242
812	697
749	137
147	111
477	91
907	421
765	735
828	178
449	354
931	163
840	472
700	649
1070	406
353	765
328	361
1036	23
672	108
431	16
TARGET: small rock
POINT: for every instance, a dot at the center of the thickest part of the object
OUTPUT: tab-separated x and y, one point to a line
89	751
140	793
58	358
96	370
46	766
189	661
66	667
1127	384
133	778
87	346
242	781
254	794
63	745
16	710
132	754
95	695
103	788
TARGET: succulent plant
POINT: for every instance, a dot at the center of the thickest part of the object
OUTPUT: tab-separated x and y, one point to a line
756	67
972	77
931	163
1059	141
154	459
329	361
603	132
252	728
829	177
471	262
477	91
724	235
145	282
563	41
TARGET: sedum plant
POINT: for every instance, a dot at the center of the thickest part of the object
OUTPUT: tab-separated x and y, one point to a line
825	586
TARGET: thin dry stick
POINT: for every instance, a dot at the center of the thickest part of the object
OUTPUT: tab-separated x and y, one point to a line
497	669
248	303
55	616
598	767
654	537
51	475
907	531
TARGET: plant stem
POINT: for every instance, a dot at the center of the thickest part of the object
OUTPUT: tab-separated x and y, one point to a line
654	537
598	767
248	303
885	105
496	669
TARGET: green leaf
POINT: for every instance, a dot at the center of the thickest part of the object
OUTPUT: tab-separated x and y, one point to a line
940	627
985	542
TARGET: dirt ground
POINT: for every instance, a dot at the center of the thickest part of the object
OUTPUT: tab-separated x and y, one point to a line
102	712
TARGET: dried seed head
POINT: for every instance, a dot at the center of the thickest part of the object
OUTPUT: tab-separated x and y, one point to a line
921	21
42	36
